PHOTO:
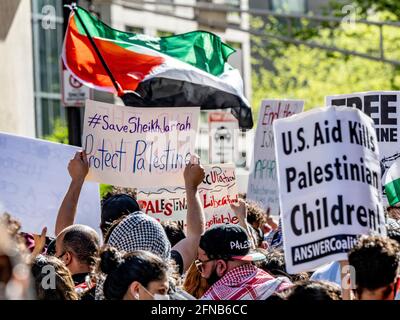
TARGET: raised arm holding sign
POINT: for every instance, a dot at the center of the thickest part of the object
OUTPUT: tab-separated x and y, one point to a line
78	169
187	248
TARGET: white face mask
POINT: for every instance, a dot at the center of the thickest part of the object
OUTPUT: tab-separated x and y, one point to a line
157	296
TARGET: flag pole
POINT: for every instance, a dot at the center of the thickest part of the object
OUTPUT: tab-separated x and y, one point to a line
103	62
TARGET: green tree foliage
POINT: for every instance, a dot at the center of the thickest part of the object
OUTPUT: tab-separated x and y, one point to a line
389	8
105	189
282	70
60	132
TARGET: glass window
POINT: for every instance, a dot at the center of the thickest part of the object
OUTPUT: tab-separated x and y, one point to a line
51	110
47	28
163	33
289	6
134	29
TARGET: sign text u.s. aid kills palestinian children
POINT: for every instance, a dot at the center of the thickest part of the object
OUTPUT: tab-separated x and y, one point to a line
329	184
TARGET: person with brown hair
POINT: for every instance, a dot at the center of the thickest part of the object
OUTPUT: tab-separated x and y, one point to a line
313	290
194	283
174	231
52	279
274	263
393	212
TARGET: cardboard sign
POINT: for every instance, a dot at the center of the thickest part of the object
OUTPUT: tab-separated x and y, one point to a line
262	185
138	147
34	179
217	191
223	129
384	109
329	184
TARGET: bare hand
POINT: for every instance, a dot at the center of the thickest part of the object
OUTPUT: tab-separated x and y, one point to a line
193	174
272	223
78	167
40	242
240	210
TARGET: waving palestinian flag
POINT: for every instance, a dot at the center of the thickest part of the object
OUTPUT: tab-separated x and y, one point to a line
392	183
189	69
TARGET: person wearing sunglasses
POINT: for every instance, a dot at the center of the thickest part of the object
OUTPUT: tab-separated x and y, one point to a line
226	261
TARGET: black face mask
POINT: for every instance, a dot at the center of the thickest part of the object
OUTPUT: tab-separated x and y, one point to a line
213	278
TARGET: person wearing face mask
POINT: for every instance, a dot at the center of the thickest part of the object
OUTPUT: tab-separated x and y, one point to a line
139	275
226	261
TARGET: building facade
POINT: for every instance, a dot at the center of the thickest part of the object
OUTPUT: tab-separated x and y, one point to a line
30	45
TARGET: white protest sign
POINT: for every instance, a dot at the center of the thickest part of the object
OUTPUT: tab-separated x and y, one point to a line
138	147
329	184
262	185
217	191
223	128
34	179
384	109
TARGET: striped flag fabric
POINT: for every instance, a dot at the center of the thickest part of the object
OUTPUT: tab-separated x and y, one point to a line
392	183
183	70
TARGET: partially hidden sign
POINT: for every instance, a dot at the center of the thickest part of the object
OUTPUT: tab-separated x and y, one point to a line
262	186
138	147
384	109
329	184
34	179
217	191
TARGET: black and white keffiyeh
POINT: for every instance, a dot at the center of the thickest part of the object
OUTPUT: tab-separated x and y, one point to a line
138	231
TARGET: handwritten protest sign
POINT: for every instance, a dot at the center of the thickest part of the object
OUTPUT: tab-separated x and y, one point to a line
329	184
384	109
138	147
34	179
262	186
217	191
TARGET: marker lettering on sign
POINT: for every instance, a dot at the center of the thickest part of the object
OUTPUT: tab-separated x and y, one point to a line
262	185
108	158
166	160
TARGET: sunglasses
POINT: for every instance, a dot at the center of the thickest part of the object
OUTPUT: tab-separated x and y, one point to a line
199	264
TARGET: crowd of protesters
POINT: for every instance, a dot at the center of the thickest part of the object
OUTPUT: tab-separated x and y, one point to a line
138	258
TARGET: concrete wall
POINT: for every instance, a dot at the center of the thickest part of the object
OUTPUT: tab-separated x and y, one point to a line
17	113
